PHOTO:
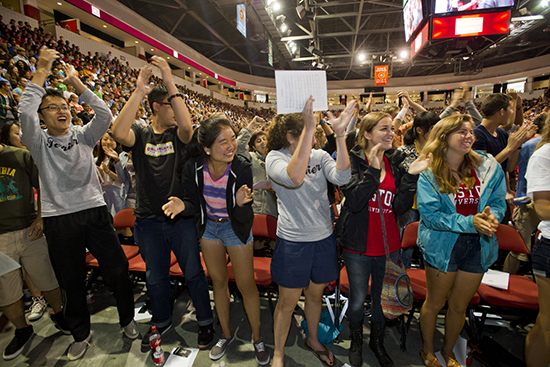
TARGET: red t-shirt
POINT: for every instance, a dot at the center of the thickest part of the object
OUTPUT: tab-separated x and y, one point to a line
375	239
467	201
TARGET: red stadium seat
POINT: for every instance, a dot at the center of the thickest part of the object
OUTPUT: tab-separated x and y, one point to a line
124	218
521	297
264	226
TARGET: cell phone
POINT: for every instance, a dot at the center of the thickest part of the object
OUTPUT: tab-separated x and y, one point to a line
182	352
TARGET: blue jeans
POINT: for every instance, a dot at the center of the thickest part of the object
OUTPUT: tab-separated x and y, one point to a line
360	268
156	237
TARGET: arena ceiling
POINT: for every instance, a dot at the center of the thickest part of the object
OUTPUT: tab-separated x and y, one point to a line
346	37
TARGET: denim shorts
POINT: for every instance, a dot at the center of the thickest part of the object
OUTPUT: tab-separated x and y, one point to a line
541	258
294	264
223	232
466	255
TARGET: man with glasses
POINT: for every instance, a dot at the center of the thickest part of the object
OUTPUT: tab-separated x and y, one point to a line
156	150
73	209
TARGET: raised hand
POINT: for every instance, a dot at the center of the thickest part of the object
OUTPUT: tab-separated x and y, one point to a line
70	74
143	79
256	122
521	135
466	92
162	64
307	113
243	195
340	124
109	152
173	207
420	164
374	157
46	56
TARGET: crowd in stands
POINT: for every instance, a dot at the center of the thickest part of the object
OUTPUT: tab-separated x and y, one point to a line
196	170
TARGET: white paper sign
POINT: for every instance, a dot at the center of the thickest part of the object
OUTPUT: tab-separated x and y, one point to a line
187	360
496	279
294	88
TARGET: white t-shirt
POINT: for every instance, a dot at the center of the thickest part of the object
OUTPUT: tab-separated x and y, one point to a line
538	179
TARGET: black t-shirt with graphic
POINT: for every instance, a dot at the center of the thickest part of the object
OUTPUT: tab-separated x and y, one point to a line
155	158
18	176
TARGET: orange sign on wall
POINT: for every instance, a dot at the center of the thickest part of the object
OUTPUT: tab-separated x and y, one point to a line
381	75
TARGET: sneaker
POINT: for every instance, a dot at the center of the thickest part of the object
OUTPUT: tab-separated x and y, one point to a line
59	322
206	335
17	344
262	356
38	308
145	346
77	349
220	348
131	330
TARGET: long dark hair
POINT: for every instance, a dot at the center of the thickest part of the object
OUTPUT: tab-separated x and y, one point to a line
203	137
424	120
5	133
101	154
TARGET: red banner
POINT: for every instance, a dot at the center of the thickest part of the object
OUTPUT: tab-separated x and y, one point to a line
381	75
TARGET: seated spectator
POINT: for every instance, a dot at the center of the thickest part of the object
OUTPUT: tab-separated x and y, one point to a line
9	134
86	114
21	85
73	102
8	107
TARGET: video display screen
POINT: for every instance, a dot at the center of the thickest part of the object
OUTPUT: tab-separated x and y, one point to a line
449	6
471	25
412	17
420	41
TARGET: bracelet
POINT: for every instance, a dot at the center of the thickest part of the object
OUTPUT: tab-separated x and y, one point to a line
340	136
174	96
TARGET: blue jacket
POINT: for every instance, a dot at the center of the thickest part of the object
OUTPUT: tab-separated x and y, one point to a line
440	224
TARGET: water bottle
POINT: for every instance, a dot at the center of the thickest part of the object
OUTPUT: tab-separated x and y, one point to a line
158	356
155	343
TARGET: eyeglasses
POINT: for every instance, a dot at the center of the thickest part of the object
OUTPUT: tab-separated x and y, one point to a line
55	108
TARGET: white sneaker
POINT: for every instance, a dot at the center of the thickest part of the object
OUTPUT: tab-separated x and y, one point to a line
77	349
131	330
38	308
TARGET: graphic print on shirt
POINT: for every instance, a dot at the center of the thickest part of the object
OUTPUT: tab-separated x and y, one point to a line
8	189
159	149
468	197
53	144
387	199
316	168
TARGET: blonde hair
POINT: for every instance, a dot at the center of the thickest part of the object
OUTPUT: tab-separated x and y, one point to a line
545	133
438	145
367	124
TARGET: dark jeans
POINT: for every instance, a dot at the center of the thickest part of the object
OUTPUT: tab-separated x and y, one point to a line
68	236
156	237
360	268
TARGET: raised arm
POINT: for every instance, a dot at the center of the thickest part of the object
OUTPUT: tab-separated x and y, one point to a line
121	129
46	56
181	113
415	106
297	166
339	125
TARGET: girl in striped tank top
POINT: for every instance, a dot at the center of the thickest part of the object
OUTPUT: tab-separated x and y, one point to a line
217	192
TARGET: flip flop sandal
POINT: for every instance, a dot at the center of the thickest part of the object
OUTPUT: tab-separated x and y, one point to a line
453	361
433	362
321	353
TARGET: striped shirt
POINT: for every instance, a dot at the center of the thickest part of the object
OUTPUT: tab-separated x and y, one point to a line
214	193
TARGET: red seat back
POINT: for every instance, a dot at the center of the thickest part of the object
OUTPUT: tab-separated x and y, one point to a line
509	239
264	226
410	235
124	218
